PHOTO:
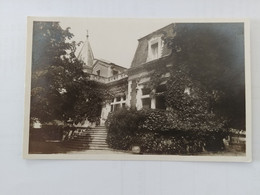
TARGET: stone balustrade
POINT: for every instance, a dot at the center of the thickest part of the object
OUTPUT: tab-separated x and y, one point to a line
108	79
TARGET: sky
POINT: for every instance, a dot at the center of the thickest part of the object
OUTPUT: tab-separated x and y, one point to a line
111	39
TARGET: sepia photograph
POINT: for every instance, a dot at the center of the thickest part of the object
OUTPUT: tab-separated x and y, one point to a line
137	89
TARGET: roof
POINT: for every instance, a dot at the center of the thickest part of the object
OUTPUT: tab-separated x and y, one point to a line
141	53
109	63
86	54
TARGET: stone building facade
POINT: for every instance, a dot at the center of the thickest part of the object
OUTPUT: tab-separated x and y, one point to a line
130	87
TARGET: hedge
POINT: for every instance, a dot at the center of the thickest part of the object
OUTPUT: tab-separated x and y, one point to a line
154	132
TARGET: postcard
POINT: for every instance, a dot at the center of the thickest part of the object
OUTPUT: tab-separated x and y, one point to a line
138	89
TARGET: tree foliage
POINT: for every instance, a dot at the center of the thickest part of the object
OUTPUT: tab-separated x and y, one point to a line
60	90
206	85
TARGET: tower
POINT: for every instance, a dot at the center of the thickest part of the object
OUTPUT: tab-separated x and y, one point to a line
86	55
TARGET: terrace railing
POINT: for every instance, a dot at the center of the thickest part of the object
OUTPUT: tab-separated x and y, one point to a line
108	79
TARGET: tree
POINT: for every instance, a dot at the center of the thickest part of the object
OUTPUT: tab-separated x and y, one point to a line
60	90
206	85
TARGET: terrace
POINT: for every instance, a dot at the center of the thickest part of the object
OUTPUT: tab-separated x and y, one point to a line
108	79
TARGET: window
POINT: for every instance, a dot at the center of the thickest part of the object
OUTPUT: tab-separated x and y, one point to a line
146	91
114	72
154	48
146	103
160	102
98	72
154	51
118	103
161	88
117	107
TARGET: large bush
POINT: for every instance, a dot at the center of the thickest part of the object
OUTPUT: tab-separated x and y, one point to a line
125	121
155	132
122	127
158	120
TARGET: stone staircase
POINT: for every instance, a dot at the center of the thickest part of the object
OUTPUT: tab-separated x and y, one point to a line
99	136
89	139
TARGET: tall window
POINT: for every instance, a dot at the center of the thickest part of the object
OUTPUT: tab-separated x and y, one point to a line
160	97
154	51
117	107
160	102
155	45
118	103
146	103
146	91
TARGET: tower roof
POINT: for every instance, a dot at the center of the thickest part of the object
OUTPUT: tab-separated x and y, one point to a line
86	54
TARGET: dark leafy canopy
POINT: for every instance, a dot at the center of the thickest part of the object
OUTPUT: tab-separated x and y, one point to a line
209	63
60	90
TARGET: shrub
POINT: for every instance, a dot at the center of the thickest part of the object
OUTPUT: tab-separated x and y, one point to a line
155	132
124	121
122	126
158	120
179	142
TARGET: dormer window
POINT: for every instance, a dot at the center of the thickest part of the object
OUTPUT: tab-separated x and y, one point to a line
115	72
98	72
154	49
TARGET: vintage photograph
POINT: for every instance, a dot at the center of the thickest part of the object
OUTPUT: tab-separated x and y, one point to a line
137	89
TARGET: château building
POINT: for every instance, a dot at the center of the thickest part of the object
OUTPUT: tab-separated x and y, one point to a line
130	87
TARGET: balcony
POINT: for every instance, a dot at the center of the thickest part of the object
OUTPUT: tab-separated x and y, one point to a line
117	77
108	79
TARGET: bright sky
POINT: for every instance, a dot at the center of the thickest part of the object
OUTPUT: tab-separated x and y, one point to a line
114	40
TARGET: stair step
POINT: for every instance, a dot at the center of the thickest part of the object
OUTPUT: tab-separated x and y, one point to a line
88	136
100	144
97	148
85	141
97	132
97	143
77	143
90	139
100	140
77	147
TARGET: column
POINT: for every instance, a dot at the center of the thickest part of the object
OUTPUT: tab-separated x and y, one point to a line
139	103
153	100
